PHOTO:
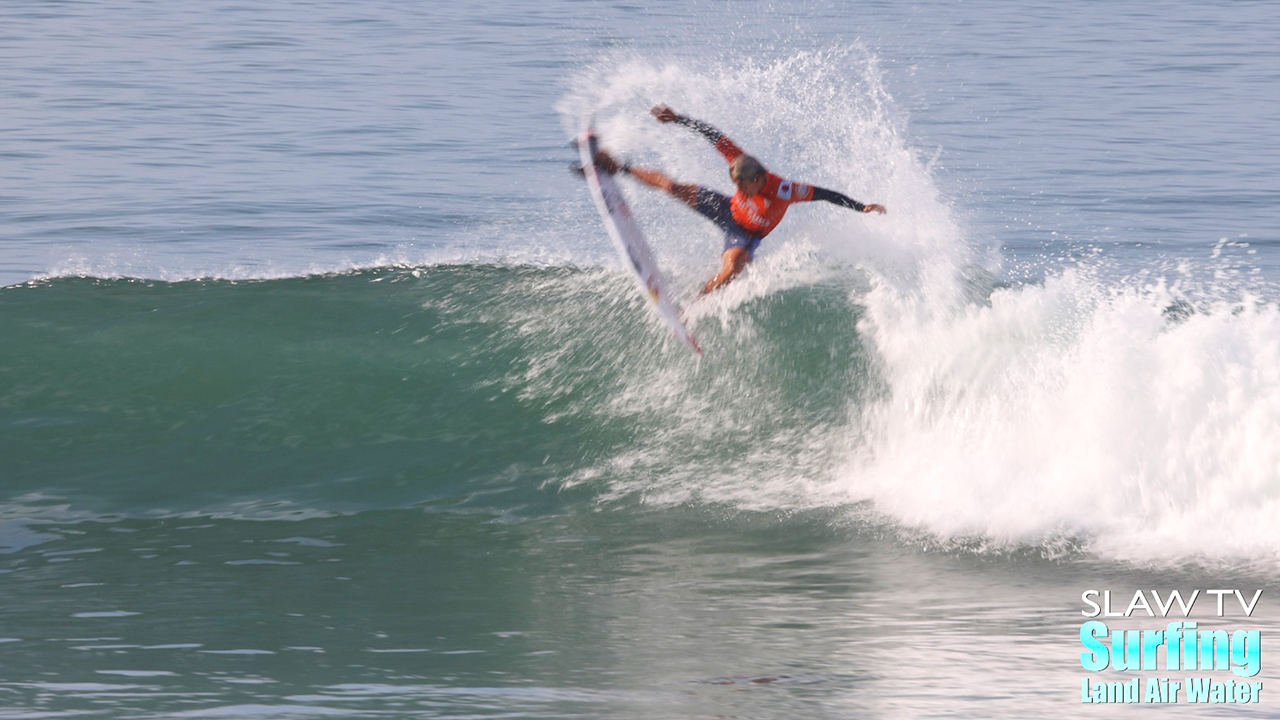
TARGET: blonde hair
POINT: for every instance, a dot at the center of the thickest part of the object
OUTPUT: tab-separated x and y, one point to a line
745	167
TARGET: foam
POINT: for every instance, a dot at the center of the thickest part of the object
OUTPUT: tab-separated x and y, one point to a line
1081	408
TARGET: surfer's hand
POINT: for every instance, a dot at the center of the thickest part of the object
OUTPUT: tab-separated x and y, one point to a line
664	114
607	163
873	207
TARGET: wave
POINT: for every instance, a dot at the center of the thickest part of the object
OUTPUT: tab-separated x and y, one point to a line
874	367
470	385
1077	413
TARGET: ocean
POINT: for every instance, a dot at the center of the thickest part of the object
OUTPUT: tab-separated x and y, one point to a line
324	394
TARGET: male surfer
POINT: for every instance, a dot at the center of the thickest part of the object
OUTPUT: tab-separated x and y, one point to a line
752	213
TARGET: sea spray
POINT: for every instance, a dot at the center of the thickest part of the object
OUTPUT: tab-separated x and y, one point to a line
755	427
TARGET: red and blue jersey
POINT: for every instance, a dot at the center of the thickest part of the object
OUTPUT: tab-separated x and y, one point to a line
759	214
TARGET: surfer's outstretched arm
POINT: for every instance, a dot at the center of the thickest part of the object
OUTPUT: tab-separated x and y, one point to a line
687	194
836	198
727	147
665	114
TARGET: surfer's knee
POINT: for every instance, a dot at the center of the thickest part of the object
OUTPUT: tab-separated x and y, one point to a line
733	261
736	258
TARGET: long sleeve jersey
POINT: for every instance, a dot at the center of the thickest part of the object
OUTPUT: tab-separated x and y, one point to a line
759	214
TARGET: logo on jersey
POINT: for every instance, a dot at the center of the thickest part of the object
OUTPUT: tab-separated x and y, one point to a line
789	191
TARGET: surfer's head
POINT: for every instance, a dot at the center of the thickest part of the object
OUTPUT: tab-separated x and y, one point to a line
748	174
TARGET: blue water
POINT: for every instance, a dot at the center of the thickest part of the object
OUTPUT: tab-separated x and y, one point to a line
322	392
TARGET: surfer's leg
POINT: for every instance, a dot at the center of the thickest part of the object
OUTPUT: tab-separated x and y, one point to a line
738	245
687	194
735	259
713	206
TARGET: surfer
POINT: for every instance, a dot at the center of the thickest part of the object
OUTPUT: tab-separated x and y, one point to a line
747	217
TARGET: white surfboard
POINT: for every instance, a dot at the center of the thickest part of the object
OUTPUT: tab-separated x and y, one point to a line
629	241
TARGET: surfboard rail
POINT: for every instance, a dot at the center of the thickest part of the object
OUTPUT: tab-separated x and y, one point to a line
629	241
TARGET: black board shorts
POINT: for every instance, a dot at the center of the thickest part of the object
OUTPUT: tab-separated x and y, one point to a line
716	207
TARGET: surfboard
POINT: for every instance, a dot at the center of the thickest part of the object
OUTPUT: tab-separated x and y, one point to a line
629	241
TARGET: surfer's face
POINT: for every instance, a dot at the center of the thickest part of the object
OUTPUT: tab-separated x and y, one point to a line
751	187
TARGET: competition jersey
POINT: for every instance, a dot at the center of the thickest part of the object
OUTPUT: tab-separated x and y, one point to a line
760	214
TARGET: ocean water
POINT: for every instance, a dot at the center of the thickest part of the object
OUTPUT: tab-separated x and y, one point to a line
323	394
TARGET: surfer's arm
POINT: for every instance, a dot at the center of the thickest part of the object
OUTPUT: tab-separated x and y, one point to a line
842	200
727	147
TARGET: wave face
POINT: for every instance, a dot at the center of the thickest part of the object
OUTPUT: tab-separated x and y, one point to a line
1072	412
454	385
